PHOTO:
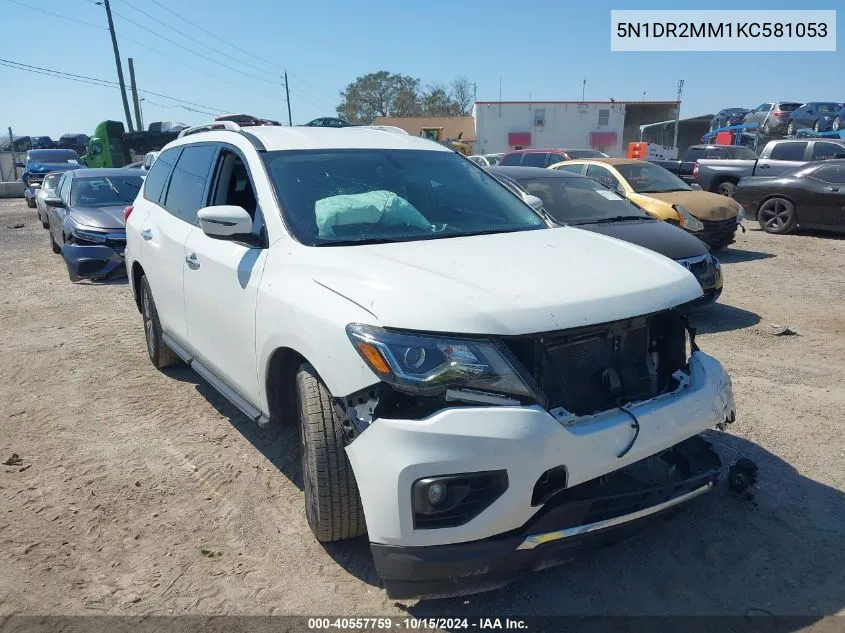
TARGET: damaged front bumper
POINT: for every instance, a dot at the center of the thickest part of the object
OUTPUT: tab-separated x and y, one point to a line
527	444
93	262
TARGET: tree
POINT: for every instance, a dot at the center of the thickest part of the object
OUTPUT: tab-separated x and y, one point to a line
437	102
462	93
380	94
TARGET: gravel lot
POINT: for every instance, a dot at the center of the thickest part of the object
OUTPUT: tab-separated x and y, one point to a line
130	477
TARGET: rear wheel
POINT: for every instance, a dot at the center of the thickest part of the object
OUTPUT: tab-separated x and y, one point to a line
790	128
836	123
332	502
726	189
777	215
765	128
816	127
160	354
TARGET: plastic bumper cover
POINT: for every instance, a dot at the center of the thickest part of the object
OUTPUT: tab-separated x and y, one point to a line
93	262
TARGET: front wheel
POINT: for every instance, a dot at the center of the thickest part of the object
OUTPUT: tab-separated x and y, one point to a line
777	216
816	127
790	128
332	502
55	247
726	189
30	202
160	354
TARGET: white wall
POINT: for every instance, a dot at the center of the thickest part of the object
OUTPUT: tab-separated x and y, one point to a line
567	125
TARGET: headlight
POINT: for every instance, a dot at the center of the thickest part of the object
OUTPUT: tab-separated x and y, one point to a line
425	364
88	236
689	221
740	214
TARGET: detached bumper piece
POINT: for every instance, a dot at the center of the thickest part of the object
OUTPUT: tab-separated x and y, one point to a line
94	262
573	521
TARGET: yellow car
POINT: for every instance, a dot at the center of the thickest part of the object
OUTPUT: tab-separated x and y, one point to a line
709	216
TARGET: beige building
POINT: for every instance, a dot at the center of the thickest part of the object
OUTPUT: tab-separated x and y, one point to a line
437	128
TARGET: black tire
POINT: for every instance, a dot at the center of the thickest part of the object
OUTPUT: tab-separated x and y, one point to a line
726	189
160	354
836	123
816	126
56	248
790	128
777	215
765	128
30	202
332	502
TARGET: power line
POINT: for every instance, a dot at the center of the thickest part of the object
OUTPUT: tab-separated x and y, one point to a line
86	79
63	17
190	37
206	57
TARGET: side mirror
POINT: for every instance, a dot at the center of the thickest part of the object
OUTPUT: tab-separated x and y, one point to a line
225	221
696	187
20	165
54	201
621	191
533	201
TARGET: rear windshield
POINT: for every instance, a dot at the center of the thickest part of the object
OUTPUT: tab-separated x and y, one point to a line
101	191
580	200
53	156
788	107
344	197
744	153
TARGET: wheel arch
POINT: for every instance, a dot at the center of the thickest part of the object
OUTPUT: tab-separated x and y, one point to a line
718	180
280	384
135	275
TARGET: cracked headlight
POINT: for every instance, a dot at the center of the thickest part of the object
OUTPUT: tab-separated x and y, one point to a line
689	221
430	364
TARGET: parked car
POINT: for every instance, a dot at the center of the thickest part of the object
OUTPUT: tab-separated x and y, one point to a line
545	157
710	217
812	196
728	116
86	220
43	142
685	168
149	159
39	162
494	159
328	121
479	160
771	117
381	291
777	157
817	115
77	142
46	190
573	200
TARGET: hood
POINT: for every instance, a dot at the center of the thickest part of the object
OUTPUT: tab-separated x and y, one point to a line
110	217
657	236
42	168
503	284
702	204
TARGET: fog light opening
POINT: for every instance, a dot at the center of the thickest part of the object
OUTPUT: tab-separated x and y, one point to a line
436	493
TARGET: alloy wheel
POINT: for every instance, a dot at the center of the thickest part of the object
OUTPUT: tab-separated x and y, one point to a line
776	215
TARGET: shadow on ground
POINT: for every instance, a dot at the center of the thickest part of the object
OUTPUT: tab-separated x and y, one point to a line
739	255
719	317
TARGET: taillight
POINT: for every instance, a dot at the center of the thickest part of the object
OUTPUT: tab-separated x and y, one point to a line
695	170
127	212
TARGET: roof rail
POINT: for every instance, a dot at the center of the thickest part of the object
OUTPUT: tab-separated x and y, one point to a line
383	128
231	126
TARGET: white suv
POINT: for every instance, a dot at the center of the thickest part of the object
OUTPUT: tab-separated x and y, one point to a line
477	391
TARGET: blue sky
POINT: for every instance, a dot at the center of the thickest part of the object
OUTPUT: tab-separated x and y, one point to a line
540	50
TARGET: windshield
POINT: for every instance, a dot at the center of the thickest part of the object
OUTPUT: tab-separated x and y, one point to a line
649	178
367	195
53	156
575	154
104	191
829	108
579	200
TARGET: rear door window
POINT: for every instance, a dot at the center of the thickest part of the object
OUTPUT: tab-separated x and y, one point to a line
788	151
535	159
154	183
512	160
823	150
556	158
187	184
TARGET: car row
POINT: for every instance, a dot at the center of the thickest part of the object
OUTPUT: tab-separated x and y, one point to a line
773	117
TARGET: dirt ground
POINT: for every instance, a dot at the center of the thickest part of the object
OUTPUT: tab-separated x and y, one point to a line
142	492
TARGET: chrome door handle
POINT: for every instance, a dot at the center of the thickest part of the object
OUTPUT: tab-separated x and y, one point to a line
147	234
192	261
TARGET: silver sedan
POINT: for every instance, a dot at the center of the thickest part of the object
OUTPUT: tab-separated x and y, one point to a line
47	189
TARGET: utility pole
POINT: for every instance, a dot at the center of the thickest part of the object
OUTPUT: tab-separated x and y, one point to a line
583	89
287	98
119	67
678	112
14	155
135	95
